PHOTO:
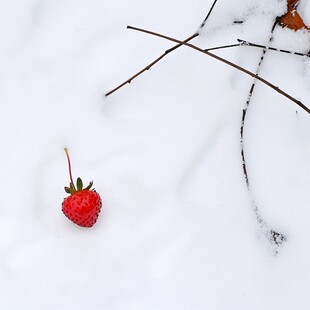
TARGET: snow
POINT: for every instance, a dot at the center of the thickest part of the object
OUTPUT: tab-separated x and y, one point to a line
177	229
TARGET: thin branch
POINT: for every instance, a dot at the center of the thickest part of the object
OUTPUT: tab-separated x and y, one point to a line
229	63
208	15
247	43
196	34
222	47
149	66
244	112
274	237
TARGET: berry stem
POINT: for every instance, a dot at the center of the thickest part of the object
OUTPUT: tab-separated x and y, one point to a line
69	164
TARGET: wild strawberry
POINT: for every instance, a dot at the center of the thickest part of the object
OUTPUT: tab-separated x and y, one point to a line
84	204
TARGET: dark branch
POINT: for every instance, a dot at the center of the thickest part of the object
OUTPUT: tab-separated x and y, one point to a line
273	236
222	47
149	66
246	43
208	15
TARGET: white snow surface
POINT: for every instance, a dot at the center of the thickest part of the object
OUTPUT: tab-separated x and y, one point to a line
177	229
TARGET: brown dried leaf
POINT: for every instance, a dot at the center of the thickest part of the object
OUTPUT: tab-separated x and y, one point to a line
292	19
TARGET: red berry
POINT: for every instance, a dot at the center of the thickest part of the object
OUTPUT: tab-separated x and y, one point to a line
84	204
82	207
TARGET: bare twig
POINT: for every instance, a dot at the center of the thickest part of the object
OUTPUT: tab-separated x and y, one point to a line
208	15
244	112
247	43
250	44
196	34
257	77
222	47
149	66
275	238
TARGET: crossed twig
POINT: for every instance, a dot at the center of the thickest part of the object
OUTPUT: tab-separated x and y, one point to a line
227	62
149	66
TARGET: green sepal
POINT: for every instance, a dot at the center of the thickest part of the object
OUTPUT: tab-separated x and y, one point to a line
79	184
89	185
69	190
79	187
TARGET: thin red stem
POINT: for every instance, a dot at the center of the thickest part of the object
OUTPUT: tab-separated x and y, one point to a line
70	172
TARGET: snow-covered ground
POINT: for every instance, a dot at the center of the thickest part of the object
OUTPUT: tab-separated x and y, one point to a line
177	228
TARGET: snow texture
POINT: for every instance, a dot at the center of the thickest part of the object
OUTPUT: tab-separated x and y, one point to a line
177	230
